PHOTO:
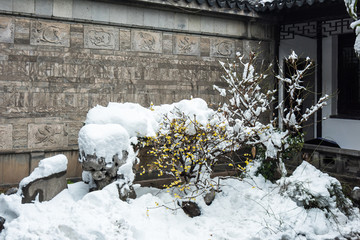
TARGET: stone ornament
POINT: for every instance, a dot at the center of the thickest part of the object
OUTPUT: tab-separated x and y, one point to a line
222	48
145	41
101	37
46	135
187	45
6	30
6	136
49	33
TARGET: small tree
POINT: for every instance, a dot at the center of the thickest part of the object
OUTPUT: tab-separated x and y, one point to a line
188	151
247	103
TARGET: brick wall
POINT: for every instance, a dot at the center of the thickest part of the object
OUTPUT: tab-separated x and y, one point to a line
53	70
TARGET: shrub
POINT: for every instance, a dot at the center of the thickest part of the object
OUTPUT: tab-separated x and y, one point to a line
188	151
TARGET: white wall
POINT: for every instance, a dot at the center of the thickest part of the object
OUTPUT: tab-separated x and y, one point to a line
343	131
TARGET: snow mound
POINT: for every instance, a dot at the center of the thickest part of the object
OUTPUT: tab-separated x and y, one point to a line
104	140
140	121
249	209
311	188
137	120
47	167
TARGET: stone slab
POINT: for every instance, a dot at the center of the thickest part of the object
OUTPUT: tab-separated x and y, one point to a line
222	48
63	8
44	188
100	11
81	9
50	34
44	7
24	6
6	5
6	139
186	45
146	41
6	30
135	16
118	13
181	21
101	37
47	136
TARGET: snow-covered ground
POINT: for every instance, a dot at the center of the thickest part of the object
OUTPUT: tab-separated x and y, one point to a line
251	208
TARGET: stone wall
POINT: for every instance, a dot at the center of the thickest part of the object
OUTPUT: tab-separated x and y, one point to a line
57	62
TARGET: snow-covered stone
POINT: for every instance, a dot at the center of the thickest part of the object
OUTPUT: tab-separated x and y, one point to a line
46	181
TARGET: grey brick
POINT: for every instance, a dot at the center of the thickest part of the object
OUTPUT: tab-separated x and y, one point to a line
6	5
63	8
100	11
44	7
24	6
82	9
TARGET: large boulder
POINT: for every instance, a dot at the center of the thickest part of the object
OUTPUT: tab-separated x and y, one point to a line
46	181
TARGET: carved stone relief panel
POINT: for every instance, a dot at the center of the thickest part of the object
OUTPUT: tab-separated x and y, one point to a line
101	37
47	135
6	138
145	41
6	30
222	48
187	45
50	33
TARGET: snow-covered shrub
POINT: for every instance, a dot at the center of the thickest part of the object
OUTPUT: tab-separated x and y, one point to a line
248	103
188	149
311	188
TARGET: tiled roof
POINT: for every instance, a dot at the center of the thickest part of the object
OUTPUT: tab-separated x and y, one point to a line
256	5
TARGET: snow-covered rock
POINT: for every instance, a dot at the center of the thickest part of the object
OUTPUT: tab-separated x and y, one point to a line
46	181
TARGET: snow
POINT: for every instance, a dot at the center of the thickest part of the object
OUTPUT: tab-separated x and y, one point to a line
249	209
47	167
137	120
105	140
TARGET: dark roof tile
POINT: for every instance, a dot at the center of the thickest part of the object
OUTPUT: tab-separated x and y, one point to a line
255	5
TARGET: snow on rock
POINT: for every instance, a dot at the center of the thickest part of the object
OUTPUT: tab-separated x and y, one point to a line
46	167
310	187
104	140
137	120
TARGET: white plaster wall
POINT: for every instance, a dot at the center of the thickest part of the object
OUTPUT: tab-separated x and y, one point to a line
343	131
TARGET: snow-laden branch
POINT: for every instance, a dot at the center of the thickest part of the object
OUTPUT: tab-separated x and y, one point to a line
248	102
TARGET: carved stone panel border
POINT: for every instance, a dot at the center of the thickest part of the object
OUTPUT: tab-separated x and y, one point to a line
145	41
101	37
47	136
6	139
50	33
6	30
186	45
222	48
